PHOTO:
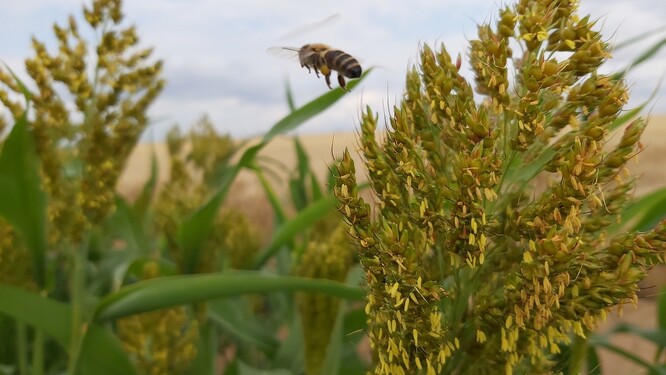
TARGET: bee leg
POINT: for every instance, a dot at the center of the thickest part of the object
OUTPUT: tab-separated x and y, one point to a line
316	71
341	81
328	81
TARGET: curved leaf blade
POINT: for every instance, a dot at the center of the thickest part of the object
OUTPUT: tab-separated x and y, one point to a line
31	308
177	290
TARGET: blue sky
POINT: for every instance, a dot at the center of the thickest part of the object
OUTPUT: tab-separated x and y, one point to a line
217	64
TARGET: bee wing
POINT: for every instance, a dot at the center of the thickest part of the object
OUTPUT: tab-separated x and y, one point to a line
315	25
287	52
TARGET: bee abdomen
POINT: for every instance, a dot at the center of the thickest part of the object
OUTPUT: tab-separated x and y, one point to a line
354	71
343	63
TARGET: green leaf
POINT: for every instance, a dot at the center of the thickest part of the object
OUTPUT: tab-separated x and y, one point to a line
593	362
661	309
194	230
311	109
299	195
207	346
303	220
102	354
239	367
273	199
639	38
30	308
291	354
171	291
289	94
24	90
129	224
331	364
646	55
23	202
645	212
232	315
298	185
100	350
142	203
303	161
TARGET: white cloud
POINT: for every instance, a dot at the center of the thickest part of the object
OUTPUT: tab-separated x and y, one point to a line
216	60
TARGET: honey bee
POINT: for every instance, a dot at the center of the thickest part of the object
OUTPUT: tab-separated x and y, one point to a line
322	58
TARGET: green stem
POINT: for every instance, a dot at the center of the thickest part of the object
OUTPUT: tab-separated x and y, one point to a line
657	354
22	347
38	354
77	289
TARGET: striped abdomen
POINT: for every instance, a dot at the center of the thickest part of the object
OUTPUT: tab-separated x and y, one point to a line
343	62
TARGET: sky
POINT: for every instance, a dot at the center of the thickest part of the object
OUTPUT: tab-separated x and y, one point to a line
216	60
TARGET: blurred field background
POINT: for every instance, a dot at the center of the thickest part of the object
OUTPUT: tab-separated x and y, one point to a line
247	196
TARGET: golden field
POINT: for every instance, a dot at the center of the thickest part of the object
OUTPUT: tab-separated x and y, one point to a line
247	195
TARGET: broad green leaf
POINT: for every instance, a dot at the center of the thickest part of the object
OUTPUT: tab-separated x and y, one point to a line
102	354
171	291
291	228
50	316
23	202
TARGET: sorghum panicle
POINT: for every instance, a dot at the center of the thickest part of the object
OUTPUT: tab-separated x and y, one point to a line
162	341
492	238
84	149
